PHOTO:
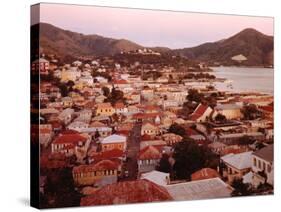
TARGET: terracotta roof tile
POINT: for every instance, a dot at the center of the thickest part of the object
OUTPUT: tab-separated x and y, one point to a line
127	192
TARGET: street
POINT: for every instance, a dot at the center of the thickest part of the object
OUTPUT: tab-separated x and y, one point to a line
132	153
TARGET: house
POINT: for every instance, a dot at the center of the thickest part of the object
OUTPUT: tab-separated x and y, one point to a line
122	85
120	108
217	147
71	143
169	103
149	129
147	117
41	66
114	154
136	191
134	98
98	174
201	113
87	80
77	63
84	115
45	134
147	140
102	129
78	126
235	166
100	99
171	138
159	178
199	189
230	111
205	173
147	93
148	158
66	115
267	111
71	74
67	102
104	109
237	138
195	135
114	142
263	166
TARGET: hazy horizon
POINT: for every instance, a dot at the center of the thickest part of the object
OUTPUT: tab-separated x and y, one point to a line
150	28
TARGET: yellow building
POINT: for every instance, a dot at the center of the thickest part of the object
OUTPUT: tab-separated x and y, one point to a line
99	174
230	111
105	109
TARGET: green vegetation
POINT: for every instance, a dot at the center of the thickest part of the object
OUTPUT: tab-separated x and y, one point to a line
177	129
251	112
164	164
190	157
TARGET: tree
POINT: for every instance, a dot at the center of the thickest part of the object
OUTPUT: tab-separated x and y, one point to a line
250	112
240	188
63	89
194	96
105	91
220	118
164	164
187	108
97	134
115	96
177	129
188	159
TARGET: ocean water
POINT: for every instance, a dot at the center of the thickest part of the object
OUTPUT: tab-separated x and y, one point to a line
245	79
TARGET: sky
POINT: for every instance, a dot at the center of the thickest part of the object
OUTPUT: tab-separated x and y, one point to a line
149	27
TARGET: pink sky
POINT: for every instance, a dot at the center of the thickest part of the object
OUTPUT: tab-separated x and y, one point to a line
151	28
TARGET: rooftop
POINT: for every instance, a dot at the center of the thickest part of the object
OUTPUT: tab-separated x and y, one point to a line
266	153
114	139
160	178
127	192
239	161
201	189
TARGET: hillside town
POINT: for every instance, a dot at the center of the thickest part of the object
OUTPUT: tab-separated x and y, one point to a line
141	126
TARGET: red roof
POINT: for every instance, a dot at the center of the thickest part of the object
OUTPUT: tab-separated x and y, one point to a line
205	173
53	163
119	105
127	192
268	108
120	82
149	152
69	139
99	166
199	111
189	131
146	137
114	153
145	115
45	131
151	107
123	132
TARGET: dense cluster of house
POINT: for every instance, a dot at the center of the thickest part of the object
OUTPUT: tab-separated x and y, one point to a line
86	124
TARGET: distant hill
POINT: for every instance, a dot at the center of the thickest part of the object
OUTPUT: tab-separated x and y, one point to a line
54	40
255	46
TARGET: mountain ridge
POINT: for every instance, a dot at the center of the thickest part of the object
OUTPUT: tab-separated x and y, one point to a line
256	46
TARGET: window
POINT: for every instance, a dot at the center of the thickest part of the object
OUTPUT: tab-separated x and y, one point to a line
255	162
259	164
